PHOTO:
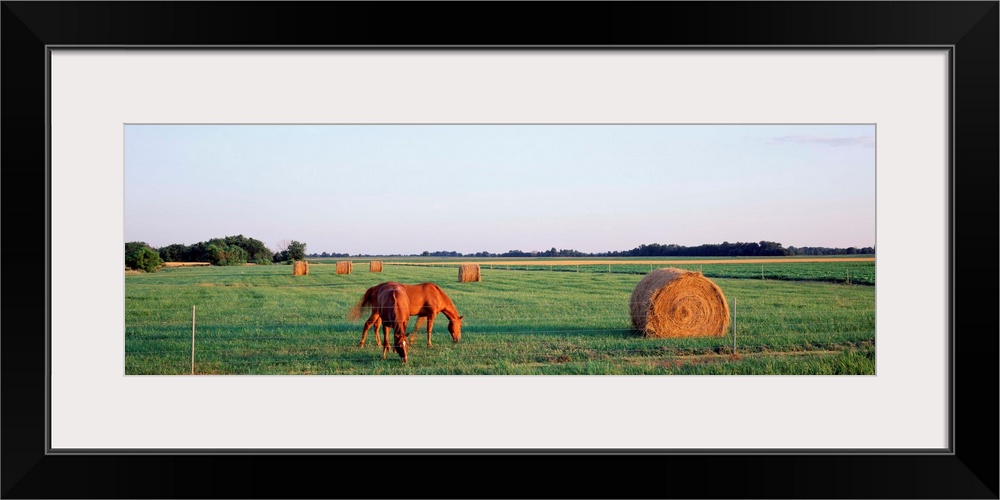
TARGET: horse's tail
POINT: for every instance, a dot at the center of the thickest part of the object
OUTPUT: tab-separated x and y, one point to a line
365	303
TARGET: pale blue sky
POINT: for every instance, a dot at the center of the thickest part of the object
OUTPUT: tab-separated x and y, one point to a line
404	189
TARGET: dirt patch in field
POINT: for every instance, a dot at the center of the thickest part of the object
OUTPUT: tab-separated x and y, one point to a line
187	264
676	362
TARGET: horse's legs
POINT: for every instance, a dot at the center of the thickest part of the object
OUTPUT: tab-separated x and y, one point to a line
376	320
364	333
416	328
430	324
399	334
385	339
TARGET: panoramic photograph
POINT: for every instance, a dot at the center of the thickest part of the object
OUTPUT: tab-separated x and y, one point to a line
495	249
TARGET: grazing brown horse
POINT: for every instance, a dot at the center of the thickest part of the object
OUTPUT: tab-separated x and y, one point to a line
394	309
426	301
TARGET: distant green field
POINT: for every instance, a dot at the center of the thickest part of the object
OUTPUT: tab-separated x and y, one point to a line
798	319
839	269
855	273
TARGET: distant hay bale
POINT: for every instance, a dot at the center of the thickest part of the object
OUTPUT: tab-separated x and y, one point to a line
301	268
344	267
469	272
672	302
375	266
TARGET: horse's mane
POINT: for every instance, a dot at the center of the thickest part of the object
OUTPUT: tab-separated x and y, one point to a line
444	296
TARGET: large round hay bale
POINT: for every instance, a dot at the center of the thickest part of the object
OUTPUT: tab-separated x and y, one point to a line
300	268
375	266
469	272
672	302
344	267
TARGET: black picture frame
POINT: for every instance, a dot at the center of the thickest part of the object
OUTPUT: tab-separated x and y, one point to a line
970	29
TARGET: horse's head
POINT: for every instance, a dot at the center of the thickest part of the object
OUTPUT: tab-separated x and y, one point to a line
455	329
401	346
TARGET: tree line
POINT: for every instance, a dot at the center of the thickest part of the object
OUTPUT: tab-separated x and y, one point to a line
227	251
238	250
724	249
738	249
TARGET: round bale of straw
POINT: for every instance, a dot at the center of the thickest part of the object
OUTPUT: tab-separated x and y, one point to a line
469	272
375	266
672	302
300	268
344	267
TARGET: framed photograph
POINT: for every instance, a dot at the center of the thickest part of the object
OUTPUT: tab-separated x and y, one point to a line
264	170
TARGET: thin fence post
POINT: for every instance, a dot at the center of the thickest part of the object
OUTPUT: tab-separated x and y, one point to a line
192	339
762	271
734	326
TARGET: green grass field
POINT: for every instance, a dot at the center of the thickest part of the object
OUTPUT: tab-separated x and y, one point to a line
261	320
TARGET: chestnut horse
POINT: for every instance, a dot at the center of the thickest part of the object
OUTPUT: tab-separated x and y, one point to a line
394	309
426	301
